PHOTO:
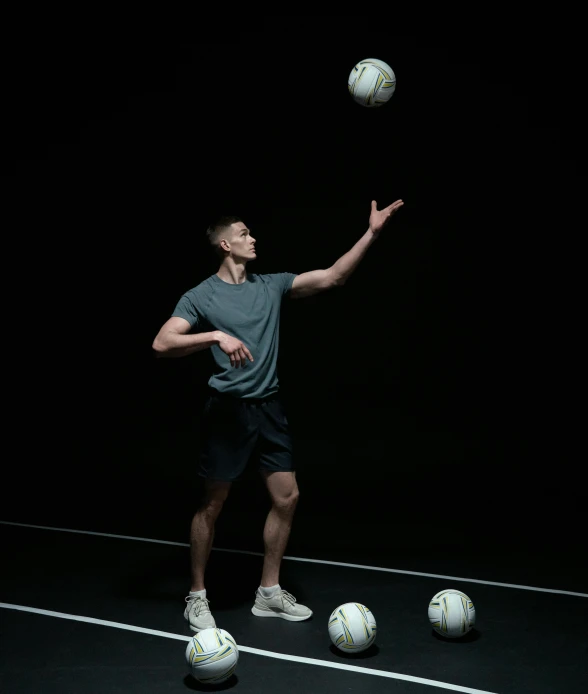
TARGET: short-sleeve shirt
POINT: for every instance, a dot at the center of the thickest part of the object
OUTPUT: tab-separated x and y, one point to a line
250	312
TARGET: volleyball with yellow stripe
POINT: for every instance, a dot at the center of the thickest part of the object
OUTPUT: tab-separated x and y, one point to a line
371	83
352	627
212	655
452	613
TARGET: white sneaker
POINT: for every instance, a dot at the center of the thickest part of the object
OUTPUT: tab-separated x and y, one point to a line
282	605
198	613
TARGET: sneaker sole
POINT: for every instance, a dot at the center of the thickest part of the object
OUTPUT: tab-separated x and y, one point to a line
199	629
282	615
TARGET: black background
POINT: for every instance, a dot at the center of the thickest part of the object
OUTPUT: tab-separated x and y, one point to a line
441	388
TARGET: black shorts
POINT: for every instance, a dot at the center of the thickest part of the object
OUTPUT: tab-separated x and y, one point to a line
236	430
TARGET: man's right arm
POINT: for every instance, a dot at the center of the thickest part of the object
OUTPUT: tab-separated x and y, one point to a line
173	339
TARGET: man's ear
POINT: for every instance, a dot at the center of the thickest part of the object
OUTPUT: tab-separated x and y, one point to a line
225	245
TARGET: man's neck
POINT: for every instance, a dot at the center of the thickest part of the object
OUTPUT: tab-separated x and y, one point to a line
234	274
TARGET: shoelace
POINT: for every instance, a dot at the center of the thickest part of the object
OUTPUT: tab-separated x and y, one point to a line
288	596
199	604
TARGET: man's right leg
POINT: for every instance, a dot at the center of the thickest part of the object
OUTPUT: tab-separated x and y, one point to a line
202	530
197	611
229	433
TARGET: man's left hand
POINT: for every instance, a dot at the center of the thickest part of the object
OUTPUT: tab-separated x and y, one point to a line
379	218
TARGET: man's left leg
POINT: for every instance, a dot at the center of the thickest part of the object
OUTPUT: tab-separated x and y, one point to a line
283	491
270	599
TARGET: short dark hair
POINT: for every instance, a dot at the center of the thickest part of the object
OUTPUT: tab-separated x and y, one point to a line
216	230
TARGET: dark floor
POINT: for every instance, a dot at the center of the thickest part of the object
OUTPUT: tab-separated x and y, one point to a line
525	640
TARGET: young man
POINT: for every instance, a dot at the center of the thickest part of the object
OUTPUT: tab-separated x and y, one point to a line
236	314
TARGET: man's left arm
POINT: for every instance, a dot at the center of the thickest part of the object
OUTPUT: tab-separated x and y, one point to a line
309	283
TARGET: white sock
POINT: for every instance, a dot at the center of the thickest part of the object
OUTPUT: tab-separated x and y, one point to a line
198	593
270	591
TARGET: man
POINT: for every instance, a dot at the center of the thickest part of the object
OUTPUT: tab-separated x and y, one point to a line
236	314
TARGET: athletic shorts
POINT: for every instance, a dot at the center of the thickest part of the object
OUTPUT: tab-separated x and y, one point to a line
237	430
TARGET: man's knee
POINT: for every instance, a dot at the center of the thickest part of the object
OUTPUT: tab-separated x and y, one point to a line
215	495
286	505
291	499
283	490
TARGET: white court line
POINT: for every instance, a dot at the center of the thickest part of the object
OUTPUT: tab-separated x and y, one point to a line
254	651
310	561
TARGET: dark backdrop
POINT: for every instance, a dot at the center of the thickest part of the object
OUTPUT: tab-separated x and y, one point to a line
438	392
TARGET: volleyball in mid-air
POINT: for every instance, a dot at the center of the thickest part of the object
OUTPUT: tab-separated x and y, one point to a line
371	83
352	627
452	614
212	655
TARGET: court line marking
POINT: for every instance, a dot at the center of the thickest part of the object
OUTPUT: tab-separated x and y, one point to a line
254	651
310	561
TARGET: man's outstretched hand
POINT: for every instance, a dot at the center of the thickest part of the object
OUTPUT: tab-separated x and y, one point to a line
379	218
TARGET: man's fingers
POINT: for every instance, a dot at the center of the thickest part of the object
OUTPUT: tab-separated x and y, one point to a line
239	356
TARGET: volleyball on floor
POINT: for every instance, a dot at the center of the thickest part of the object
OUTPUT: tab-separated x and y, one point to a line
352	627
452	613
371	83
212	655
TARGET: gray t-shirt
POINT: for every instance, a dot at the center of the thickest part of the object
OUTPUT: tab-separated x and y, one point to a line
250	312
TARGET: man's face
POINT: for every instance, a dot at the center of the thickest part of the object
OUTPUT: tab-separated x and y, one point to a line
242	243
